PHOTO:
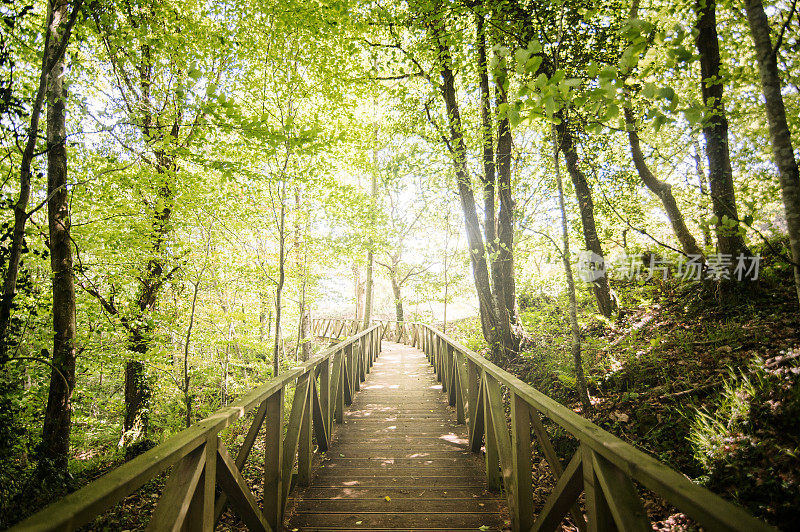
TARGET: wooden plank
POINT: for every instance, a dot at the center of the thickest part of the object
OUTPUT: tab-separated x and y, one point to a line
521	447
273	461
502	440
319	422
493	476
305	449
239	494
554	462
460	376
477	427
472	399
243	453
337	387
325	398
292	438
170	513
200	516
563	496
598	514
621	496
347	375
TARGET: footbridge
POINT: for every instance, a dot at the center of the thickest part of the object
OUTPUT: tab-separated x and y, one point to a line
427	436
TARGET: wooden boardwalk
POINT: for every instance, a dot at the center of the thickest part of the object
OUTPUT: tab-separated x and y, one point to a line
400	462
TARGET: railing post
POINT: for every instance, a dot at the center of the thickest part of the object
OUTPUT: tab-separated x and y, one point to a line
521	453
441	349
351	385
473	389
598	514
460	387
201	510
493	478
304	447
362	344
325	394
451	374
338	372
273	460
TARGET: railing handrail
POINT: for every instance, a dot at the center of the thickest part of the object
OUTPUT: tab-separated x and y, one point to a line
81	506
696	501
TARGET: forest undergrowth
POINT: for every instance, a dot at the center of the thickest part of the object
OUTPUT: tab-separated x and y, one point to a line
710	388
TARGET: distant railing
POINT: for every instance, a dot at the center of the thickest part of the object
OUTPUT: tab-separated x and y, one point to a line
604	468
323	386
332	328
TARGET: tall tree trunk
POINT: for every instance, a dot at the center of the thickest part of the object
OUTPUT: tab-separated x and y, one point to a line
600	287
488	177
580	378
505	217
715	130
480	272
57	33
778	128
58	415
661	189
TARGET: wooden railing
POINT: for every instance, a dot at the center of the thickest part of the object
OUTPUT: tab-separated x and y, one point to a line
200	463
396	331
335	328
332	328
604	468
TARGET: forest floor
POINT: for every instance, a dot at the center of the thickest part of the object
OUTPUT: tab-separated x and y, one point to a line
711	389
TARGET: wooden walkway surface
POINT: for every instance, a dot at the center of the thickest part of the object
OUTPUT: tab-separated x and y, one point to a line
399	462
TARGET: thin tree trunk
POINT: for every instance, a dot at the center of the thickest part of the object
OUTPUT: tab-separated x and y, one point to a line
187	398
580	378
661	189
702	182
281	278
600	287
779	133
359	291
715	130
370	255
446	278
58	415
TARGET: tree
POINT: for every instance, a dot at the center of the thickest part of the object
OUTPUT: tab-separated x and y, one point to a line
52	54
715	131
580	378
780	135
54	450
495	320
